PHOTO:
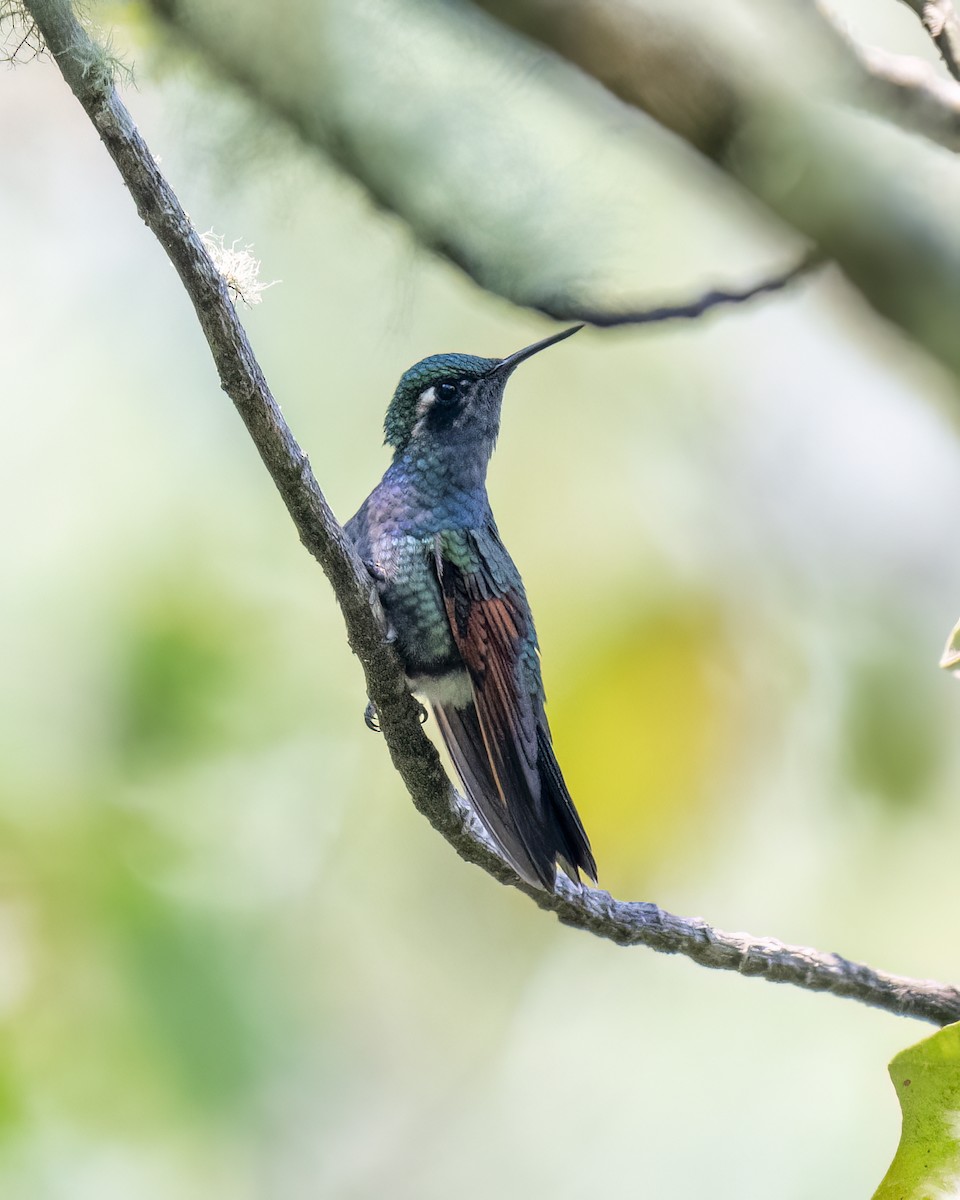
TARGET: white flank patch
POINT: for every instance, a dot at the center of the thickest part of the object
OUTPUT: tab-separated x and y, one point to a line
454	689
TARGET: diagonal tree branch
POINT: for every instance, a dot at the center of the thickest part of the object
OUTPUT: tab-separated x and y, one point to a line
939	18
86	70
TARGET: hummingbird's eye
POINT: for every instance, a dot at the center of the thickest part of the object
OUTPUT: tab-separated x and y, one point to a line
446	391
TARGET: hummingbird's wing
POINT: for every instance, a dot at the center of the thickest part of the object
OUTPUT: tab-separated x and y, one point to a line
463	738
501	743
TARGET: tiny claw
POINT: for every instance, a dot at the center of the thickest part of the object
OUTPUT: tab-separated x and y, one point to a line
422	713
370	718
374	571
390	636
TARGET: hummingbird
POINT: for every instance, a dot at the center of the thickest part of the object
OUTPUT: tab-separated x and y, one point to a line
457	612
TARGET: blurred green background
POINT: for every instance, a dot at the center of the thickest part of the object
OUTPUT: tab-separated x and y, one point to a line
234	962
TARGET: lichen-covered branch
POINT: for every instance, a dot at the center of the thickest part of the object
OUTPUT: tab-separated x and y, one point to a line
86	70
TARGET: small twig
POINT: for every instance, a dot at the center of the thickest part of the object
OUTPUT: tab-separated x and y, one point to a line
904	88
911	92
940	20
690	310
85	69
15	22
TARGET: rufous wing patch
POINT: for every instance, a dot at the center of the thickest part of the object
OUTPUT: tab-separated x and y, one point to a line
489	627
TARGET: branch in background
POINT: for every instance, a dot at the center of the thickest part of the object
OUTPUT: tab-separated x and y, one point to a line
84	67
940	20
907	90
332	134
573	310
910	91
805	159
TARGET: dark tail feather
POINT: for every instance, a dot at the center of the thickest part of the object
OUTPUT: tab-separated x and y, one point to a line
533	830
573	848
461	733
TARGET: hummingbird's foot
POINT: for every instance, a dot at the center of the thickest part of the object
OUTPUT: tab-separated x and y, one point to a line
378	577
374	571
372	720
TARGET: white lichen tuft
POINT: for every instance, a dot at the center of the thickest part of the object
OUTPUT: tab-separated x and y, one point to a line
239	268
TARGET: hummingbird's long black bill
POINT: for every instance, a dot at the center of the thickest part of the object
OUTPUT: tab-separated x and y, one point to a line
506	365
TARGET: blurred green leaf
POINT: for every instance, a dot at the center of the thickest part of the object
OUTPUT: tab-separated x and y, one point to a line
893	739
192	991
927	1079
635	728
11	1109
183	659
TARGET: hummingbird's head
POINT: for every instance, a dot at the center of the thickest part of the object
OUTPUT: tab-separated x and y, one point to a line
452	397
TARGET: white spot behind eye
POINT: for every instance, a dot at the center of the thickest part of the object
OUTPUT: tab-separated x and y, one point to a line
424	401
